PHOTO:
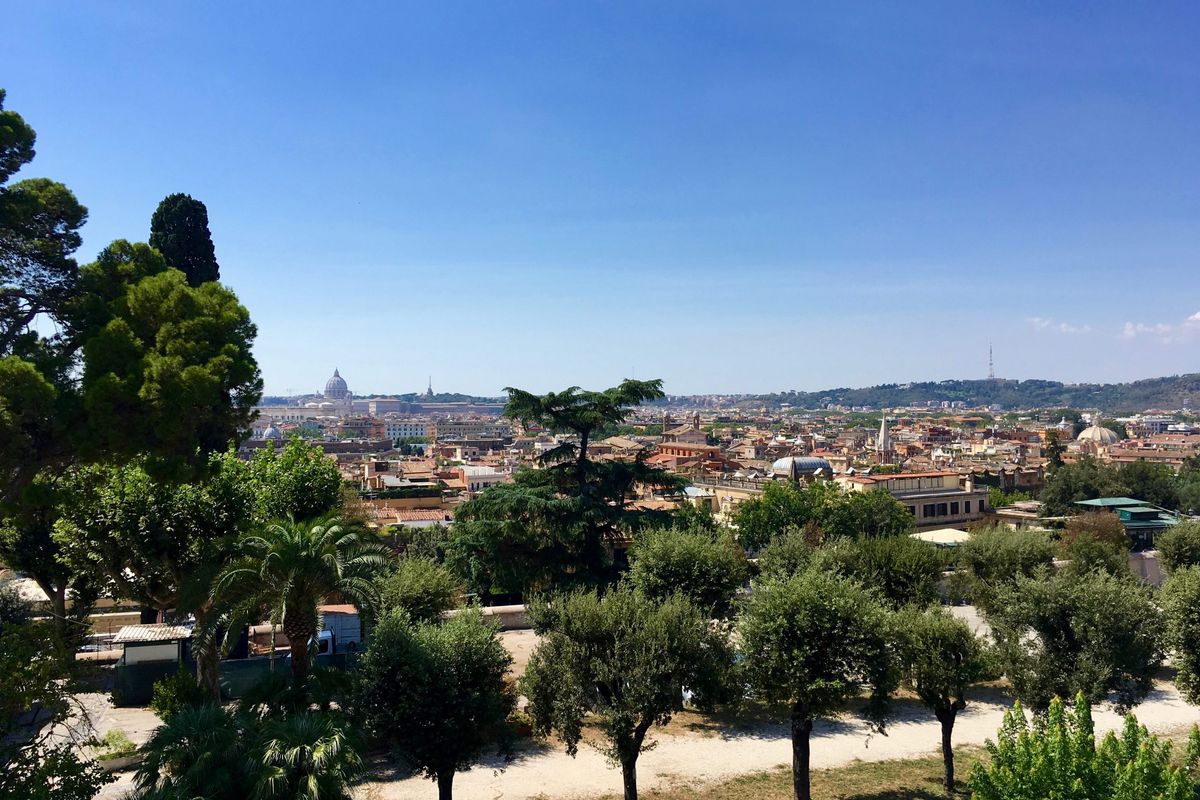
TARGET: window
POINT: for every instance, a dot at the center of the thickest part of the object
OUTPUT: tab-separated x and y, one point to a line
954	508
927	510
941	509
968	506
912	510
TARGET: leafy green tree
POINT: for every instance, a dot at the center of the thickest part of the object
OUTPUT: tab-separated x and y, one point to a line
1061	634
298	481
867	515
1086	479
1054	450
39	230
625	660
1157	484
996	555
904	570
781	506
38	671
1056	756
1180	598
291	568
1096	540
436	693
942	657
814	642
705	568
1179	545
179	230
790	552
998	498
556	526
420	587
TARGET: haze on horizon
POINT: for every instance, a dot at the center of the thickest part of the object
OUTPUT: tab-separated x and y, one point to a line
732	200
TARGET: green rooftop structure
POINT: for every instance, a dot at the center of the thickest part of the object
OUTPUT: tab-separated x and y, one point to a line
1142	520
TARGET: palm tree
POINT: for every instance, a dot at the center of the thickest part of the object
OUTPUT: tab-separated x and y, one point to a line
292	567
201	753
308	756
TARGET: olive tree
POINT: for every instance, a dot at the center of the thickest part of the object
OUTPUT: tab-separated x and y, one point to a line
436	693
1180	598
1179	545
1066	633
625	659
814	642
708	569
941	658
421	587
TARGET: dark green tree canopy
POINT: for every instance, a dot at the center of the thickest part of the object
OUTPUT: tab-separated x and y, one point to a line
179	230
708	569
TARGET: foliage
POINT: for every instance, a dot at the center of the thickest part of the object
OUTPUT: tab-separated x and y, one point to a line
1180	599
554	527
904	570
176	693
867	515
436	693
214	753
1061	634
38	670
291	568
1096	540
14	609
814	642
114	744
179	230
420	587
1086	479
707	569
996	555
298	482
624	659
789	552
941	657
1179	545
998	498
783	505
1056	756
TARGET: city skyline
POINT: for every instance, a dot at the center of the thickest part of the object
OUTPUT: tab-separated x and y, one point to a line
733	201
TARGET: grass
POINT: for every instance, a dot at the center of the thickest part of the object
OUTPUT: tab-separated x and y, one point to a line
902	779
114	744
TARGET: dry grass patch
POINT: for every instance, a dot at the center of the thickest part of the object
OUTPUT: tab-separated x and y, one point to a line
904	779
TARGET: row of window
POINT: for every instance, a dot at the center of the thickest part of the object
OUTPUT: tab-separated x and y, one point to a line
950	509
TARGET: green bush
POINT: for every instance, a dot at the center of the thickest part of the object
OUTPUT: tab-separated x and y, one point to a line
1179	546
1057	756
906	571
706	568
114	744
176	693
421	587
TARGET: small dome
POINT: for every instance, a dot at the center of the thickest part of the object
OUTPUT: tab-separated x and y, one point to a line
272	432
1098	434
793	466
336	388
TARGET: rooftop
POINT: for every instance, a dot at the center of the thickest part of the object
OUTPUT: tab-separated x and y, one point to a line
158	632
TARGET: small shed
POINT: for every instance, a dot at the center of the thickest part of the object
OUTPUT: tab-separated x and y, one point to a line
153	643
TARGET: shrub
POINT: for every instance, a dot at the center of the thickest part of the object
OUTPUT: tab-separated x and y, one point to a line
906	571
114	744
421	587
993	556
1179	546
1057	756
708	569
176	693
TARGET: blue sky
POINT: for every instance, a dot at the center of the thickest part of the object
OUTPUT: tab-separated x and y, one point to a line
730	196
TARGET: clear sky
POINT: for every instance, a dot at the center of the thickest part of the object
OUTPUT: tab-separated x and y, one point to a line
730	196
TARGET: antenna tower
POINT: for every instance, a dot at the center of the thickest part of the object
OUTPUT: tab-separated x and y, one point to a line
991	366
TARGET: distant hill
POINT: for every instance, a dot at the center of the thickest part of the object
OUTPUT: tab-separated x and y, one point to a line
1161	393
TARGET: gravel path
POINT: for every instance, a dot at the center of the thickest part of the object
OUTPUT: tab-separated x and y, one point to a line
693	759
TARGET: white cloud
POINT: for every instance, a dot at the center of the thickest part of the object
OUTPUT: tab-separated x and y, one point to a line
1163	331
1043	324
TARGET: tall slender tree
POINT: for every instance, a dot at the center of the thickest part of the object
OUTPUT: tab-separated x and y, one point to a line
179	230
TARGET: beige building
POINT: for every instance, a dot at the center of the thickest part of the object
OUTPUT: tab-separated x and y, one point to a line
935	499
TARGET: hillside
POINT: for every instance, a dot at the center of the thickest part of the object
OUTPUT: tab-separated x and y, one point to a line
1160	393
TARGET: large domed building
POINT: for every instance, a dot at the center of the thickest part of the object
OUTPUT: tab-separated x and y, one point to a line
336	388
1097	434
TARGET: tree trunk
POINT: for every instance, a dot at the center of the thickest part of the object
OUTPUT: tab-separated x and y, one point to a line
299	627
801	729
629	777
207	670
299	647
445	782
946	717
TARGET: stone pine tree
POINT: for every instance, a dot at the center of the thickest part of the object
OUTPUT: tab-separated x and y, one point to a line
813	642
941	657
624	660
179	230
